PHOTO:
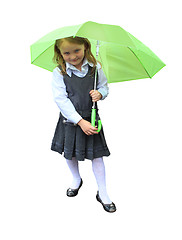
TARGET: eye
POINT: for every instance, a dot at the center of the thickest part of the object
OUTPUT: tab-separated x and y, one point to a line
66	53
77	50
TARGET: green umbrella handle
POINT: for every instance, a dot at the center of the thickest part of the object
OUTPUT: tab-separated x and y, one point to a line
93	117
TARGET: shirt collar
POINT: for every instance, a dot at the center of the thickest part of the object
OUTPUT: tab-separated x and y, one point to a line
70	68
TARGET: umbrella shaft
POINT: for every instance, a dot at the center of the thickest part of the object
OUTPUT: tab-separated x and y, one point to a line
95	81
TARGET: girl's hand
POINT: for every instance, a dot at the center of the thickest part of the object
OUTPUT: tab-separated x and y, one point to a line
95	95
87	127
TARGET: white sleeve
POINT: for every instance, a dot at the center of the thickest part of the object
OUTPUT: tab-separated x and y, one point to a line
102	86
61	98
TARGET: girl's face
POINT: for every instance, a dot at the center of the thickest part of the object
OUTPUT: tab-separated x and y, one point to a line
73	53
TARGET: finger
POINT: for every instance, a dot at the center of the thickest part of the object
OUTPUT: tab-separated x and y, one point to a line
91	92
94	99
94	132
86	132
94	129
92	95
89	133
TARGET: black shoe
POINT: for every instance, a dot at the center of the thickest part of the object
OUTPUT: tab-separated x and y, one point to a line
73	192
107	207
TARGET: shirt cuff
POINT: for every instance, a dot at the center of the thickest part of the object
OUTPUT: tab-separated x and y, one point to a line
75	118
102	92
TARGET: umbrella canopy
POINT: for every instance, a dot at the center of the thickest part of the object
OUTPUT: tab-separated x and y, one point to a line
123	57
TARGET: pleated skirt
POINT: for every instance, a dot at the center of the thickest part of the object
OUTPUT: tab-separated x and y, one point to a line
71	141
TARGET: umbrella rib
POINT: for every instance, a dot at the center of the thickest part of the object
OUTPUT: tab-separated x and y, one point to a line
41	53
140	62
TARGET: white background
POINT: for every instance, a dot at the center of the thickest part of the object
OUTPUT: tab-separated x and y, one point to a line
141	118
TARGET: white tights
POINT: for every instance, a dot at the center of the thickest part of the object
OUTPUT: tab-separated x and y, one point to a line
98	168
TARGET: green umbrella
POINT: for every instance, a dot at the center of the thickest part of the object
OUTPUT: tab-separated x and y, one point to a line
123	57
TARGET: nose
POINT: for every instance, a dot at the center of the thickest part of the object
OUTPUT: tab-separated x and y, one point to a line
73	57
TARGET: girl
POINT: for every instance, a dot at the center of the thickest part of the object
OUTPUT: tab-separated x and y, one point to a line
73	81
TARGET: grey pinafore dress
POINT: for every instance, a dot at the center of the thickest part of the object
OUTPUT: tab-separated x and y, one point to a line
68	137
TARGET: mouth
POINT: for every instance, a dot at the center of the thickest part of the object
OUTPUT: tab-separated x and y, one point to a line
75	60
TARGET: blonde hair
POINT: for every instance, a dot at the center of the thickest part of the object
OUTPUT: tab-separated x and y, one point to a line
58	58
